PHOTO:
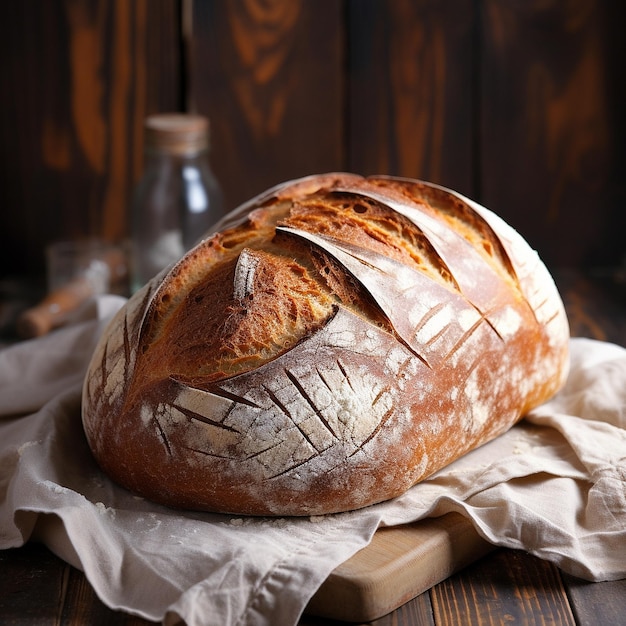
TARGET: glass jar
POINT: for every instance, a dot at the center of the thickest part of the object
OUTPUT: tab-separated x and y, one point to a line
177	198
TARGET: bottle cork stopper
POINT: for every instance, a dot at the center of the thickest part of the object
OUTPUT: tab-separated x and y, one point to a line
177	133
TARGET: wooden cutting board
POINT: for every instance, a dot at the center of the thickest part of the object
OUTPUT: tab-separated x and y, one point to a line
400	563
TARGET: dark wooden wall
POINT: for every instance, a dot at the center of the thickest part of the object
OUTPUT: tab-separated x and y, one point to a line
519	104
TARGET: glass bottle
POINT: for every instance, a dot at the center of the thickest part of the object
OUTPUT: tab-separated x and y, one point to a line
177	198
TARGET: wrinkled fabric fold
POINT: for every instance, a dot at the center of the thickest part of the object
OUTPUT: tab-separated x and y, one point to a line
554	485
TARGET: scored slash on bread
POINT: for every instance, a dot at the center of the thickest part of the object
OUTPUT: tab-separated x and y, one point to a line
336	340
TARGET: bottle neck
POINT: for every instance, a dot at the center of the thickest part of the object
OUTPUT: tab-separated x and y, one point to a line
167	161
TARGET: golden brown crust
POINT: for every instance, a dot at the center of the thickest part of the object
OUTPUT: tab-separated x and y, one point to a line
336	340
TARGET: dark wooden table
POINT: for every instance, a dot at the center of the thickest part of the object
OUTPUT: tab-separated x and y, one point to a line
504	587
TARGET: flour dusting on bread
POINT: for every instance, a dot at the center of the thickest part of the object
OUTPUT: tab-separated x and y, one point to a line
336	340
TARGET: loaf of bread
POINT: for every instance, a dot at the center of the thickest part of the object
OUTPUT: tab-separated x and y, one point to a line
336	340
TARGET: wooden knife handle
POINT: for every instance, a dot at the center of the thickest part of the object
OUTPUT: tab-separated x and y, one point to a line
108	270
52	311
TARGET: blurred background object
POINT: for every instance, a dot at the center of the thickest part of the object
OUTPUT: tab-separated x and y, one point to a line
76	271
518	104
177	198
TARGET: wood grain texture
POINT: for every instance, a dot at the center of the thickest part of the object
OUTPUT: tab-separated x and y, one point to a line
416	612
596	305
412	96
37	569
552	129
596	604
270	77
77	79
36	587
518	105
504	587
400	564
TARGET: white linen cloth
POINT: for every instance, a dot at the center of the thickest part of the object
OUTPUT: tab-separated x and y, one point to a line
555	485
